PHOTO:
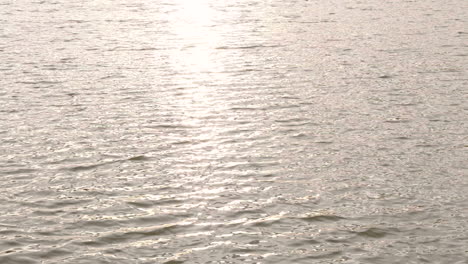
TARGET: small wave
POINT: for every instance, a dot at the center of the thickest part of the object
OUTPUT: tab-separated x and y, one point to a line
303	242
244	212
291	120
94	166
425	145
373	232
321	218
323	142
385	77
155	219
149	204
129	234
402	138
65	203
18	171
174	262
138	158
47	212
95	223
112	77
87	167
10	231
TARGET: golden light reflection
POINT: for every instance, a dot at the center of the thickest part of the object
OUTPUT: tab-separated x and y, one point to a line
195	35
196	63
200	99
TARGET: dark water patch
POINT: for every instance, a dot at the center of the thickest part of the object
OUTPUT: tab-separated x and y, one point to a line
323	142
266	222
183	142
386	76
174	262
67	59
245	108
337	240
54	253
15	259
84	168
152	203
139	233
139	158
321	218
48	212
90	167
60	203
284	106
235	166
94	223
249	212
318	255
304	242
78	21
375	232
19	171
8	111
254	242
397	121
10	231
425	145
148	49
294	121
333	40
408	104
9	244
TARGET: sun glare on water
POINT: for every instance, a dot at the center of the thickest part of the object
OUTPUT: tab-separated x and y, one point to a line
195	60
196	37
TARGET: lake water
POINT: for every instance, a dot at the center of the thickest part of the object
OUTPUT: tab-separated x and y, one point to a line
203	131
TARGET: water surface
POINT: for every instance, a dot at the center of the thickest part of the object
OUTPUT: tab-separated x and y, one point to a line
233	131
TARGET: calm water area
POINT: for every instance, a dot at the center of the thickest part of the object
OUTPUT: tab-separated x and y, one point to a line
236	131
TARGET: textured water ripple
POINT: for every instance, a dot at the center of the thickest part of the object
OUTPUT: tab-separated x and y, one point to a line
240	132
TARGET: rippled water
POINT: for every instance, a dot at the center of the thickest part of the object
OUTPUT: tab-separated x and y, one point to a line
242	131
